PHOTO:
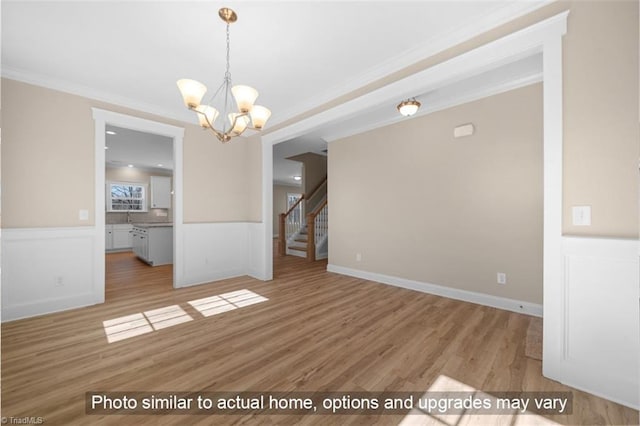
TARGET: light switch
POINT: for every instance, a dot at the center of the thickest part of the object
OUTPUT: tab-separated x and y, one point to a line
581	215
83	214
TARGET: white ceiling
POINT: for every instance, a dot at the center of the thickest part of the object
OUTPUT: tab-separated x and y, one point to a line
298	54
141	150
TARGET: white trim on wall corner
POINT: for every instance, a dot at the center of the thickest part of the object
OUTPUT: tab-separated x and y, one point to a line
512	305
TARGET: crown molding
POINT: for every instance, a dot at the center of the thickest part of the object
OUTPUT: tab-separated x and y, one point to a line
512	47
409	57
65	86
389	66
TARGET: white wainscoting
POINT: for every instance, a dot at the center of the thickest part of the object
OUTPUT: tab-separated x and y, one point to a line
47	270
452	293
256	244
215	251
601	326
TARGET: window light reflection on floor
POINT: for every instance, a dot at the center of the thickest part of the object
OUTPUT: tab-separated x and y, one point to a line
141	323
444	384
166	317
124	327
156	319
226	302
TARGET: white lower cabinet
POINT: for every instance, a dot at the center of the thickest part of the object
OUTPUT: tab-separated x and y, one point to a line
108	237
154	244
118	237
122	236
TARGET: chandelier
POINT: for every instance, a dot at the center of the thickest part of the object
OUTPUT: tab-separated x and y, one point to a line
408	107
234	121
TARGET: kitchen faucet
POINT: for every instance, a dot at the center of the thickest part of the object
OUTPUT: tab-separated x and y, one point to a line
128	216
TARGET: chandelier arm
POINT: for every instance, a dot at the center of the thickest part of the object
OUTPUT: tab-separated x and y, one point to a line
210	100
217	133
235	121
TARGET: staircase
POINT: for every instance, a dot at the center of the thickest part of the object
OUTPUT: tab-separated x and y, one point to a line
298	244
310	237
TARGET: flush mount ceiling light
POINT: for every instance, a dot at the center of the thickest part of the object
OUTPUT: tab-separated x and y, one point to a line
297	178
408	107
233	121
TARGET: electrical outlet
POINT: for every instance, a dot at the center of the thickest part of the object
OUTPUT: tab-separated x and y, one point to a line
502	278
58	281
358	257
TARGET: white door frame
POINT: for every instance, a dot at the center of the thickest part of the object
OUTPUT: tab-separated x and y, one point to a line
546	37
102	118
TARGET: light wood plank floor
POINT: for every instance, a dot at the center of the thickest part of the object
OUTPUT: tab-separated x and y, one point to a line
316	332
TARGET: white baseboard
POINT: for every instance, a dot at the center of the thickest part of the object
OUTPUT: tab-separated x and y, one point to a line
452	293
46	306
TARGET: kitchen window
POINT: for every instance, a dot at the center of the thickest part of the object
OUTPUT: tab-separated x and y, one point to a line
125	196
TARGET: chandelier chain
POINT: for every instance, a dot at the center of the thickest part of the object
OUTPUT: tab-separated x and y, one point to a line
227	74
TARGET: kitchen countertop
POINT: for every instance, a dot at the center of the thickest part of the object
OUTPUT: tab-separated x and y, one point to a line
153	225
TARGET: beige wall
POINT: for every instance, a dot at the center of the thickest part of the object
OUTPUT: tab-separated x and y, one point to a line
136	175
254	178
48	163
47	157
602	133
280	202
314	170
417	203
601	129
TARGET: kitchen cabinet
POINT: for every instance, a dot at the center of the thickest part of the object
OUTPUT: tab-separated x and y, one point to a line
153	243
118	237
160	192
122	236
108	237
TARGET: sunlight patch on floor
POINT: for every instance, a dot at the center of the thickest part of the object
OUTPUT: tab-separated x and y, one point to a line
141	323
156	319
445	385
225	302
125	327
167	316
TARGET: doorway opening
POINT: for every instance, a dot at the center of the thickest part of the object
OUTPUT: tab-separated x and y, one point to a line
139	209
137	202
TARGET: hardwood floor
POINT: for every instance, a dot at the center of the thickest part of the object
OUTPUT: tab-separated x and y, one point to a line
317	331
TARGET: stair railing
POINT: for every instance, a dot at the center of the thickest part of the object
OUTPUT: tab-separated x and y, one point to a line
317	228
287	228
